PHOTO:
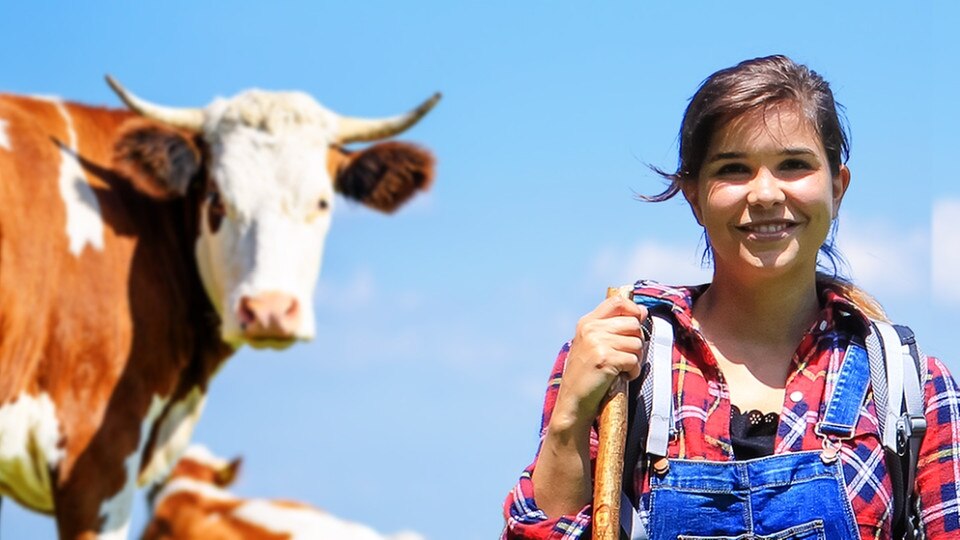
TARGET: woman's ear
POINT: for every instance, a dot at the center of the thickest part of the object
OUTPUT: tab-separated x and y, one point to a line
691	192
840	184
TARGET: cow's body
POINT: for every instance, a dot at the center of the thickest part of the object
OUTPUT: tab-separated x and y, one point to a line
107	339
194	504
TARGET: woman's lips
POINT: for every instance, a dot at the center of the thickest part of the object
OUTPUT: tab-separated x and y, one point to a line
771	230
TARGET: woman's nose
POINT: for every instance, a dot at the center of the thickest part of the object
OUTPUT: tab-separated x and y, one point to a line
765	189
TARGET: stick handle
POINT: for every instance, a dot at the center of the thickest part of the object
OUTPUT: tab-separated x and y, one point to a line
609	468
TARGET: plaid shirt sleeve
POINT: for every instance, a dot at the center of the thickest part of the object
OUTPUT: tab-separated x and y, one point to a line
938	466
523	519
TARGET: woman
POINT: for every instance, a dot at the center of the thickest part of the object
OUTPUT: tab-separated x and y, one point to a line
757	351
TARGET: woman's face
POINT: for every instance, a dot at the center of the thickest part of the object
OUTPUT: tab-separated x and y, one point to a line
765	195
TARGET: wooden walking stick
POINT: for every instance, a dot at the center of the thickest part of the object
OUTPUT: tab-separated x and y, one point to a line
609	467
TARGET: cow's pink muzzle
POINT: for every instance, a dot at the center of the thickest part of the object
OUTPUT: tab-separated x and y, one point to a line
269	316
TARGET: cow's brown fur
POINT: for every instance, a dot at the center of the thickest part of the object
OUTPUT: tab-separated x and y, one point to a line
385	175
187	515
104	332
202	508
159	160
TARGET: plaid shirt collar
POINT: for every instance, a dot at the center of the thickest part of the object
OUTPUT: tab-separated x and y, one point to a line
679	301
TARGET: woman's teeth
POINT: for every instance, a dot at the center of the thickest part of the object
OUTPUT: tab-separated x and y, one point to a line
768	228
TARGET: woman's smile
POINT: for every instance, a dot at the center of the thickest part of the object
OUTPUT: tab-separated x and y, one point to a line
768	231
765	194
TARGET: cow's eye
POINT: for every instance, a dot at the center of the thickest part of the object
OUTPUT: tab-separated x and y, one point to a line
215	211
323	205
215	203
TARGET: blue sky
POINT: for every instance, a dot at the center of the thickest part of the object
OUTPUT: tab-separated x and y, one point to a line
418	403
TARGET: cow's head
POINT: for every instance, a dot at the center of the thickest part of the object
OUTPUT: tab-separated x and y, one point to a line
269	164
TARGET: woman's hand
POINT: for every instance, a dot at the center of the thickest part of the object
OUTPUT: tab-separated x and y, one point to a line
608	341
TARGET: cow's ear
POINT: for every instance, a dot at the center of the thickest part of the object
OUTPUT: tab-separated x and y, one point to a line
159	160
228	474
384	176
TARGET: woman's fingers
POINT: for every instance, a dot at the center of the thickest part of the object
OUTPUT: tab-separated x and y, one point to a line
627	355
617	305
608	342
612	353
621	325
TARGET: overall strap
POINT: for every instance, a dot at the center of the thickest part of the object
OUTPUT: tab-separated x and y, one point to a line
849	391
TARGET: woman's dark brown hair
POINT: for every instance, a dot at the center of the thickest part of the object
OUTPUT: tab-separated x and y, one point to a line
755	84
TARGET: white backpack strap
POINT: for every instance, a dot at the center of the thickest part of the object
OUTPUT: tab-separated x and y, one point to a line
914	418
657	403
630	521
912	427
899	398
661	358
894	364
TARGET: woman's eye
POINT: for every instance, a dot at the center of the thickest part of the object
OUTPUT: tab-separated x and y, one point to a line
795	165
733	168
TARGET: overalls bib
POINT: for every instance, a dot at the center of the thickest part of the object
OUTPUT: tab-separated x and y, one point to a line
795	496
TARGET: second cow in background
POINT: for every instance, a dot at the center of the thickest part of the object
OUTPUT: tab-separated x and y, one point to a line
194	504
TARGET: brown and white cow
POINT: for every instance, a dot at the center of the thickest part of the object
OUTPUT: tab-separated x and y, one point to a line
138	250
194	504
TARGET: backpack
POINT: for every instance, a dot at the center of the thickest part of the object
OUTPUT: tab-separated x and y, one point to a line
898	374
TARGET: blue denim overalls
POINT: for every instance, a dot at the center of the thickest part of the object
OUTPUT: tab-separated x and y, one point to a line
797	496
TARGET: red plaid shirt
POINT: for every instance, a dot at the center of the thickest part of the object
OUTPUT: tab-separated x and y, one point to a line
702	411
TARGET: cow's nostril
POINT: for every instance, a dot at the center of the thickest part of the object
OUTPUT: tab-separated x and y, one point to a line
293	308
247	315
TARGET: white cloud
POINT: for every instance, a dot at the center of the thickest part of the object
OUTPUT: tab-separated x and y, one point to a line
945	250
356	293
675	264
885	259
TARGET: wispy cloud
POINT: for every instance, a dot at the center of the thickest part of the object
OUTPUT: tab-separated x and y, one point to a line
885	259
677	263
364	318
945	250
356	292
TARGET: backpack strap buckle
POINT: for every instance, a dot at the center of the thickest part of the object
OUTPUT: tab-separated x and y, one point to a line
909	427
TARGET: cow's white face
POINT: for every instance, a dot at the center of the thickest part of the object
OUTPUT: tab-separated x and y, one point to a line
266	214
269	164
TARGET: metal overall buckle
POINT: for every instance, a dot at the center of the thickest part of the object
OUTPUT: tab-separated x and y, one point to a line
831	449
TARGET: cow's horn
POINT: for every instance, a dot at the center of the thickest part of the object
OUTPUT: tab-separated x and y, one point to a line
190	119
368	129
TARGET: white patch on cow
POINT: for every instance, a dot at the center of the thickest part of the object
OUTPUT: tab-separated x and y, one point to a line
5	137
307	523
200	454
268	158
173	436
84	221
29	448
116	511
205	490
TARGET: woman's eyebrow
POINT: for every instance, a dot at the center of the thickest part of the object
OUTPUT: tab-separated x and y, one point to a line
793	151
727	155
798	151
